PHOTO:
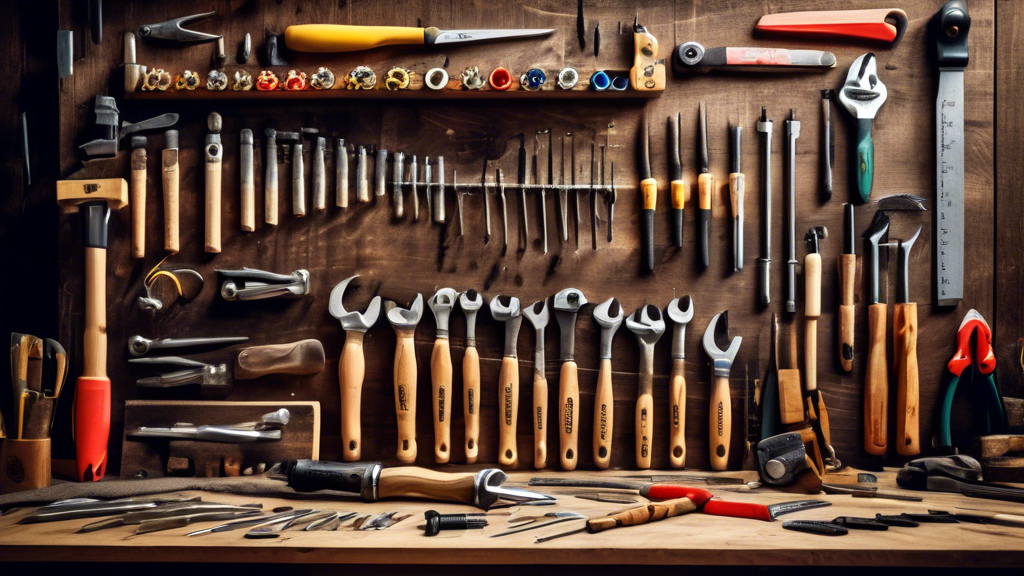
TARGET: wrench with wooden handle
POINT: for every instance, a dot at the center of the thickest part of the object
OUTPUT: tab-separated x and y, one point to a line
441	304
648	326
404	322
680	312
608	316
721	404
538	316
471	302
566	304
507	309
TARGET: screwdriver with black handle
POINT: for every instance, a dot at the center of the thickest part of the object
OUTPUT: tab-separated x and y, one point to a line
649	195
705	187
736	196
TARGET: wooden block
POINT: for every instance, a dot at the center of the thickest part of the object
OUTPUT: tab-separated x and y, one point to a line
157	458
791	401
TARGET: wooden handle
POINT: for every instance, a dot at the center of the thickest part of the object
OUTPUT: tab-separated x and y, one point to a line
213	181
508	402
791	403
26	464
405	395
644	423
642	514
721	423
169	160
471	402
346	38
441	389
414	482
677	415
94	349
604	413
540	417
876	384
568	412
303	357
247	189
138	202
705	191
847	264
904	337
351	370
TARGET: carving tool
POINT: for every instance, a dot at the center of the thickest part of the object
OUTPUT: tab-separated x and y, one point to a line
347	38
705	186
649	198
680	194
847	265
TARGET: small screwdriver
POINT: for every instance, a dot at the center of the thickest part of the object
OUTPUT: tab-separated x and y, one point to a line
649	192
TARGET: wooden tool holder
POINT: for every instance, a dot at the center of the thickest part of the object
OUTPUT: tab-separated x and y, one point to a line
159	457
25	465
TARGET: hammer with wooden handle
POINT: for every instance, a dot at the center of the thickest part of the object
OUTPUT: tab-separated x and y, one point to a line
214	154
404	321
94	200
169	162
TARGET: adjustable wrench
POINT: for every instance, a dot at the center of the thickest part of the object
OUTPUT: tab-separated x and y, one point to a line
538	316
608	316
648	326
679	311
566	304
471	302
404	322
441	304
507	309
352	366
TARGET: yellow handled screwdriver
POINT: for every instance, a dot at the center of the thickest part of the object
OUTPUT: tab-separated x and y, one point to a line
346	38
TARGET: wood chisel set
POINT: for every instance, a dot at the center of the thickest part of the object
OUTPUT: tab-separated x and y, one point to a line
786	435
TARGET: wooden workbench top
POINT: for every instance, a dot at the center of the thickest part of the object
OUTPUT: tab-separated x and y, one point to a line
696	539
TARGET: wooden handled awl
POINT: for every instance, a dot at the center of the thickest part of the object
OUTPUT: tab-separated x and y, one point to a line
507	309
648	326
214	154
904	344
441	304
876	378
138	196
720	428
608	316
538	316
404	321
566	304
812	311
680	312
847	265
352	366
169	174
94	200
471	302
247	182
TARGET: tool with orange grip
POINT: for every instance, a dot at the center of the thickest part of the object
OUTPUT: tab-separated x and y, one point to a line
649	195
347	38
679	191
882	24
93	199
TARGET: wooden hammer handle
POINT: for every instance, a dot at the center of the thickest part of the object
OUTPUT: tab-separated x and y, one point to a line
351	369
721	423
876	384
847	264
441	398
471	402
644	419
414	482
568	414
540	418
508	410
604	411
904	338
213	199
405	395
138	202
677	415
169	161
643	514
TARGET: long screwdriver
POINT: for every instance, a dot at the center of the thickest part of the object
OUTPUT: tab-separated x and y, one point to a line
705	187
736	196
678	188
524	228
649	194
791	131
593	194
764	262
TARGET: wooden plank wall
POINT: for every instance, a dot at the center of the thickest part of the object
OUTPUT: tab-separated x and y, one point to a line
400	259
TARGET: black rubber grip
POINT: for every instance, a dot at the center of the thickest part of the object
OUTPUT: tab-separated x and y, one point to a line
705	238
677	227
647	238
313	475
815	527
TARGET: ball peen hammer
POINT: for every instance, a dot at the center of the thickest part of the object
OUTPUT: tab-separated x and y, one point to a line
93	199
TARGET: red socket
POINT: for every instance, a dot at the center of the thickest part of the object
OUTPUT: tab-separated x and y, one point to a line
500	79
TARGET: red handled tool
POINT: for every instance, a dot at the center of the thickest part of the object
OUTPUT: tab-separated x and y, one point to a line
883	24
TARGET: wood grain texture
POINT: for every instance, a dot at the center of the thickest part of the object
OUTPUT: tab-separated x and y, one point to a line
400	258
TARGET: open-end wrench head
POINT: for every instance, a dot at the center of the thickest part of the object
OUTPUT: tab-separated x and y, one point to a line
566	303
647	323
538	315
406	318
863	93
471	301
679	311
353	321
441	304
716	330
508	309
568	300
608	316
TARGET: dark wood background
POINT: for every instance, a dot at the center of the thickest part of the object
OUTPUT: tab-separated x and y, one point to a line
398	260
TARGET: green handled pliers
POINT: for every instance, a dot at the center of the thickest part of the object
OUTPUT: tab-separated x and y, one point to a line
979	361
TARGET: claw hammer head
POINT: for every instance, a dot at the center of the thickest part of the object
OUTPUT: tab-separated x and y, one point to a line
507	309
353	321
608	315
405	318
718	331
441	304
680	311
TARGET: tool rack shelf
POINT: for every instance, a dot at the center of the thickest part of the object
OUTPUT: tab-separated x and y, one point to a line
694	539
392	95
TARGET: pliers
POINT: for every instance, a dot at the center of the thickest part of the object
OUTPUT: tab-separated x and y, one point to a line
982	362
172	31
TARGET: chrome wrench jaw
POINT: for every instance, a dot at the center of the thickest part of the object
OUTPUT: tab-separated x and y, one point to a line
721	360
538	316
863	93
488	489
405	317
680	312
608	316
471	302
441	304
567	304
508	309
353	321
